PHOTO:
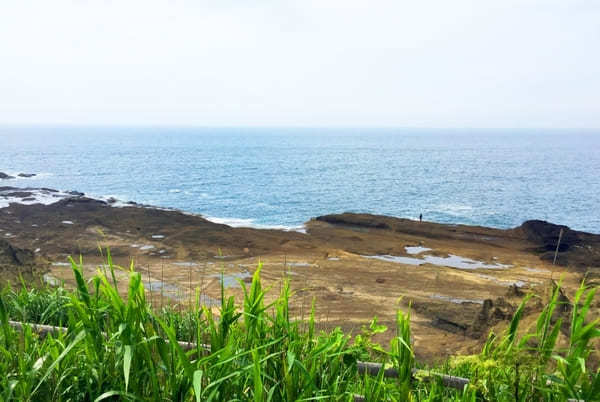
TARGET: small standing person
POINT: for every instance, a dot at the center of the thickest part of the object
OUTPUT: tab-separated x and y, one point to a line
420	217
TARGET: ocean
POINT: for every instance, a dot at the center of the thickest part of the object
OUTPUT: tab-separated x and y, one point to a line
281	177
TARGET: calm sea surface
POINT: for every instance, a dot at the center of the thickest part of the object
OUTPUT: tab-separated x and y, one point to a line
283	177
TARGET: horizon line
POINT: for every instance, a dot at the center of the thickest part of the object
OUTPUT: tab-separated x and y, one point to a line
289	127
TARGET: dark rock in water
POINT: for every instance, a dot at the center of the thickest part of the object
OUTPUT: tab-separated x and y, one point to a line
5	176
92	203
26	174
75	193
111	200
19	194
51	190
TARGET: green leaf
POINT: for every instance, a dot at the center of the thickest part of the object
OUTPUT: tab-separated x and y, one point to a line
80	336
198	384
127	365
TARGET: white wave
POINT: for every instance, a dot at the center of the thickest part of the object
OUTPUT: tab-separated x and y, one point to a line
34	196
46	197
250	223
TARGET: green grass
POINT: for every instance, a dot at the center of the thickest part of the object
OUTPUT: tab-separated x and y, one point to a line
118	349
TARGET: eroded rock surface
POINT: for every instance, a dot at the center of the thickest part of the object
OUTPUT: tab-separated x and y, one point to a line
453	307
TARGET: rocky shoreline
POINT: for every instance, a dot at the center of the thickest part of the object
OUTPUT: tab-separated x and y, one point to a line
459	280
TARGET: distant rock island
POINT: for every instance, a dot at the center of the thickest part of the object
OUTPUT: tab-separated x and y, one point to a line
7	176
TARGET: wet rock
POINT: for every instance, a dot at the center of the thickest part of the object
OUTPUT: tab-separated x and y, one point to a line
5	176
19	194
26	175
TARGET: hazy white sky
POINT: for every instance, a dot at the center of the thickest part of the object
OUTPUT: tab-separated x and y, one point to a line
479	63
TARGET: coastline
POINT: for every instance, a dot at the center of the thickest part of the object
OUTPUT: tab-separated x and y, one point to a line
355	265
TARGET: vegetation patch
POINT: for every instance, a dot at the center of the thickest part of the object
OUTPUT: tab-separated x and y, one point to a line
122	349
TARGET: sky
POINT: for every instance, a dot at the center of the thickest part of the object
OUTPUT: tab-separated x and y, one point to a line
339	63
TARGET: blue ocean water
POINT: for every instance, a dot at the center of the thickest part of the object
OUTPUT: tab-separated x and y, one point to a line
283	177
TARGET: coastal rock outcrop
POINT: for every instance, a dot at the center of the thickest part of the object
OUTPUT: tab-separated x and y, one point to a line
546	235
358	220
26	175
577	249
5	176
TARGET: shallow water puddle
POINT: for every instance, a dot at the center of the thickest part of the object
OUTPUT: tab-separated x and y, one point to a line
208	301
544	271
452	261
186	264
154	285
504	282
415	249
51	280
455	299
61	264
299	264
176	293
231	280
